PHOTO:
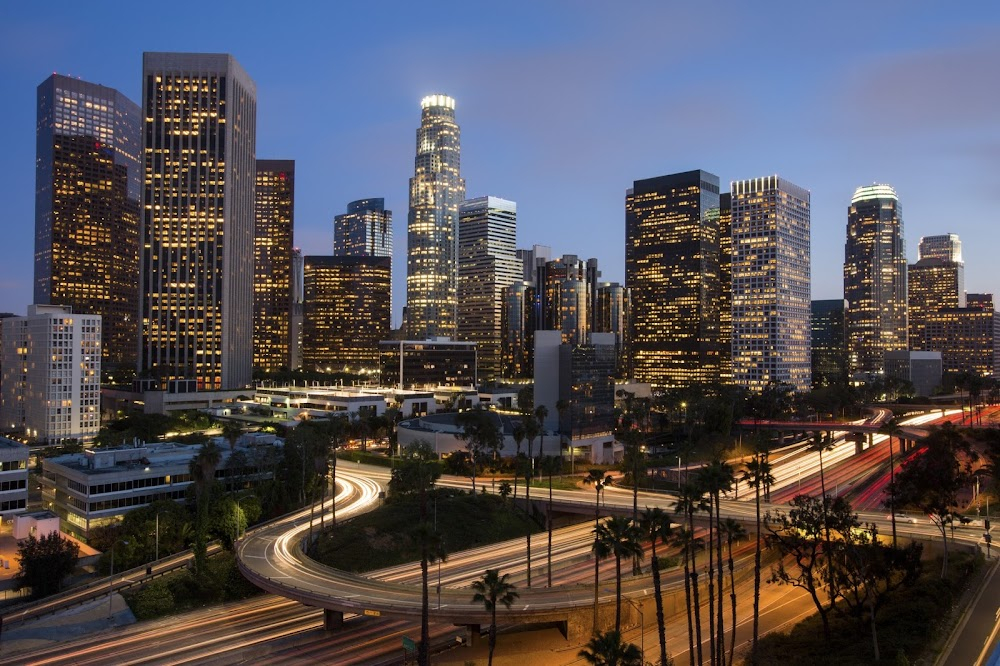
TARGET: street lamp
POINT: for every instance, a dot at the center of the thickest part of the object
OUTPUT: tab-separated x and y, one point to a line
111	578
642	627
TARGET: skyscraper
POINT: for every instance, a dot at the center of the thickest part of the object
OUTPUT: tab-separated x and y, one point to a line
365	230
726	287
346	312
272	279
487	266
874	278
87	179
966	337
197	228
771	280
945	246
436	191
829	342
672	272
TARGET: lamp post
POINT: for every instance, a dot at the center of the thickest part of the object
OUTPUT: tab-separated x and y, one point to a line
642	627
111	578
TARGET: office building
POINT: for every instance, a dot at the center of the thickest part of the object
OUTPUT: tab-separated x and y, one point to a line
51	380
487	266
966	337
365	230
874	278
945	246
922	369
771	282
436	191
567	290
298	309
407	364
197	230
672	272
612	315
531	259
519	323
935	282
272	278
829	342
87	184
346	312
13	476
725	288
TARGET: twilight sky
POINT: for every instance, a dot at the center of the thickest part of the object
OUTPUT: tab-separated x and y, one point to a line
562	105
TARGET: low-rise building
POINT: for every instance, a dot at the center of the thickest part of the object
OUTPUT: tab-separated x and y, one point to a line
13	476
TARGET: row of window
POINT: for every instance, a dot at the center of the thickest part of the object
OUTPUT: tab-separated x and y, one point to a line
135	500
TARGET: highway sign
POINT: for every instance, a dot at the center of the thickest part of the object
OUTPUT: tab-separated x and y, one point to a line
373	613
409	644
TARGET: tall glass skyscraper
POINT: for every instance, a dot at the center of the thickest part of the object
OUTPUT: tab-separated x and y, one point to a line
198	220
436	191
87	180
365	230
672	272
771	282
936	282
487	266
874	278
272	280
944	246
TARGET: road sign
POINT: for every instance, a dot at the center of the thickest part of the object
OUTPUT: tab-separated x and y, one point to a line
409	644
373	613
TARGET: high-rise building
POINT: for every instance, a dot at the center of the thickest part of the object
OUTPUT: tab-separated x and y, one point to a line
531	259
966	337
944	246
829	342
487	266
567	291
771	281
51	382
436	191
726	288
272	278
197	229
87	184
874	278
672	272
612	315
346	312
519	322
298	308
365	230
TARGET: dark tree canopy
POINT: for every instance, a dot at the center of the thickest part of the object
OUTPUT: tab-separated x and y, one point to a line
45	562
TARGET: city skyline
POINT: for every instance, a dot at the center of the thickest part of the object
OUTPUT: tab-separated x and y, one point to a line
553	120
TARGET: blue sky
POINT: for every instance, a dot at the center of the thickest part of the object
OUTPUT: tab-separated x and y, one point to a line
562	105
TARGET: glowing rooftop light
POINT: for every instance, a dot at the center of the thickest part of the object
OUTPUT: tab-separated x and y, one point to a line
876	191
437	100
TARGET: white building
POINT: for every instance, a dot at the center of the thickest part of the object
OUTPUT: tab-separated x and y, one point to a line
51	382
13	476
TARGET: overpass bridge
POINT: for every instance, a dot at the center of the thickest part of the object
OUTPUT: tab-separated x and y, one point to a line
862	434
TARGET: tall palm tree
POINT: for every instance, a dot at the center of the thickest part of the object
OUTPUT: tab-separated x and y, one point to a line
655	525
618	537
734	531
531	429
490	590
202	469
608	649
337	431
231	431
892	429
716	478
599	480
431	550
541	413
685	540
691	500
757	476
518	433
550	466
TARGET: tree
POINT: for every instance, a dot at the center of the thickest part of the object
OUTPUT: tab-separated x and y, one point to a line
655	525
608	649
490	590
45	562
716	478
202	469
519	434
481	434
541	413
550	465
801	535
337	432
892	428
757	476
691	500
931	481
431	550
619	538
685	539
599	480
531	430
734	531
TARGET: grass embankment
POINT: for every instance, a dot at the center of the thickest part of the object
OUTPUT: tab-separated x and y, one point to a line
909	625
181	591
384	537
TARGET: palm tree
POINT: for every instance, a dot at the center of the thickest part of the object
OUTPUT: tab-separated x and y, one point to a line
231	431
734	531
716	478
608	649
757	476
202	469
655	525
685	540
531	429
337	431
618	537
690	500
490	590
892	429
431	550
550	465
599	480
518	434
541	413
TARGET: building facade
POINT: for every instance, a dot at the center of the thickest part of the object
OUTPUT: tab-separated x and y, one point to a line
829	342
672	272
274	210
966	337
875	278
726	287
298	309
771	282
944	246
197	230
487	266
935	282
346	312
436	191
612	314
407	364
365	230
51	380
87	184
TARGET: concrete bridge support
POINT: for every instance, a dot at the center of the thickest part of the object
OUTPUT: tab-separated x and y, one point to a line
332	620
473	632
